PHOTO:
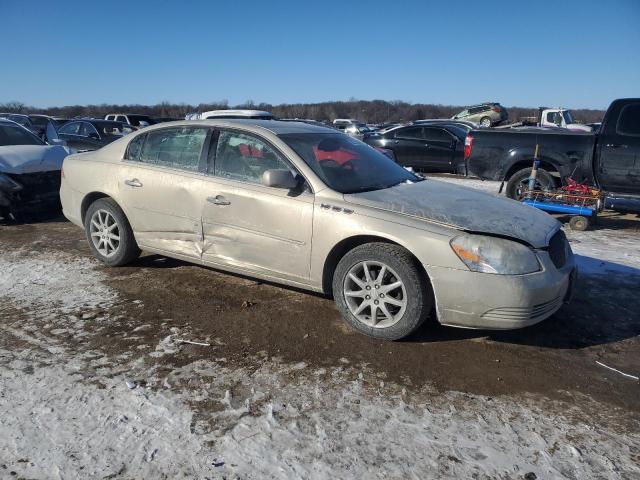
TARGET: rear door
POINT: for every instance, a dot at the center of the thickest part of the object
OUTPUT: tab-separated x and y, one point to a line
440	146
90	137
162	186
70	133
408	146
247	225
618	168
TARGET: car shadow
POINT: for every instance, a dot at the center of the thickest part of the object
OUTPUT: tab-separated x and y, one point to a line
54	216
604	309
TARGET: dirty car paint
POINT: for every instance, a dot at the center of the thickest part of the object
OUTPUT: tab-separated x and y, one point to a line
463	208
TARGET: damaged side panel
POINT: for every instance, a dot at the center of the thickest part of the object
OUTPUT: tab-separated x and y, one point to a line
163	209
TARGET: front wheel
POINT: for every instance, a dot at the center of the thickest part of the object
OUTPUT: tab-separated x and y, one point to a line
381	292
518	183
109	234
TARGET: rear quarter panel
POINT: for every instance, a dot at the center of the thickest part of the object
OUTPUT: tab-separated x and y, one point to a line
87	173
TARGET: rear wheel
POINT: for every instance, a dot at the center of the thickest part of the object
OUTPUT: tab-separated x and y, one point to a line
485	122
381	292
579	223
518	183
109	234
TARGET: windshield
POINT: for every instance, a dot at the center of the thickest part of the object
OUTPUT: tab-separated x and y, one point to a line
10	135
345	164
568	118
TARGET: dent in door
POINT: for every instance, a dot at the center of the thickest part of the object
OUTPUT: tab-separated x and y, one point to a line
260	231
166	210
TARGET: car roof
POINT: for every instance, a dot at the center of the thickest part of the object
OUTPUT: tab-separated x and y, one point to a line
276	127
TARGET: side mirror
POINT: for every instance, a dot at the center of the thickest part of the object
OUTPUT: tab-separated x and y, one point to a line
279	179
94	135
57	141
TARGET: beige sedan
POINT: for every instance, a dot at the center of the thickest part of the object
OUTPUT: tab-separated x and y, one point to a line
313	208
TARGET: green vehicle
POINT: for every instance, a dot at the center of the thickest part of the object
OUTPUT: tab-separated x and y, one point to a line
485	114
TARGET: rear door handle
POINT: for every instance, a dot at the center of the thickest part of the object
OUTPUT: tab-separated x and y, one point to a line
218	200
426	145
615	145
133	183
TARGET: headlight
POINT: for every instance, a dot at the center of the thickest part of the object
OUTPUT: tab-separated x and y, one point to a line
495	255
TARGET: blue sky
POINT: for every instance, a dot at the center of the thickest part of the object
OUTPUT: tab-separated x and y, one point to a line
525	53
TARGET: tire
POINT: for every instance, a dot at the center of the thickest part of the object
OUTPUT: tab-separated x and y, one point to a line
485	122
544	181
407	306
98	225
579	223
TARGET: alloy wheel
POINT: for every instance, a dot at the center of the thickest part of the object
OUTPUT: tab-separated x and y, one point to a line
105	233
375	294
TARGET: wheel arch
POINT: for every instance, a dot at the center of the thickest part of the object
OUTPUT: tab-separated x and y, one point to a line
89	199
545	164
345	245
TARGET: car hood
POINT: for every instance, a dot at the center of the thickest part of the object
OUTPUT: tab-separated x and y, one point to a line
463	208
19	159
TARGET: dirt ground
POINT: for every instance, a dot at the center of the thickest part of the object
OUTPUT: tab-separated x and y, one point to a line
128	337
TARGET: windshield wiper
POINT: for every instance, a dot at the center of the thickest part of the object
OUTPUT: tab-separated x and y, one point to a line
369	188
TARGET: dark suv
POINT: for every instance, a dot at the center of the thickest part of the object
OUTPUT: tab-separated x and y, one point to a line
486	114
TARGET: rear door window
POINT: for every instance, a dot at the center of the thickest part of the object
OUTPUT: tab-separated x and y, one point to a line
245	158
86	129
135	148
436	135
72	128
411	133
173	147
629	121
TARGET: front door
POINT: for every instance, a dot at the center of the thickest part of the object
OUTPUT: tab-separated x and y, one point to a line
162	186
618	168
409	147
440	147
247	225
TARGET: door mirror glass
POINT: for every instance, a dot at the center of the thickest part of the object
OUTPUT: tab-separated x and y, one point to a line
279	178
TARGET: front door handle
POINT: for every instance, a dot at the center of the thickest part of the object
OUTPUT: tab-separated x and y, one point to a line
426	145
615	145
218	200
133	183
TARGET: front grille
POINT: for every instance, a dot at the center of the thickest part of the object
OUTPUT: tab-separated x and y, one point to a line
520	314
558	249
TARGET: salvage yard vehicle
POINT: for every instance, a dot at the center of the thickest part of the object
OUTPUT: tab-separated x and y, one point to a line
552	117
241	113
20	119
608	159
29	172
134	119
85	135
40	123
431	147
485	114
310	207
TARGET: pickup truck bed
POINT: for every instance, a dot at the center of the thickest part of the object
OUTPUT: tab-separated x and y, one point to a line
609	159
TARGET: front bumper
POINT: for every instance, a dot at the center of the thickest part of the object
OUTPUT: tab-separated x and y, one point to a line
502	302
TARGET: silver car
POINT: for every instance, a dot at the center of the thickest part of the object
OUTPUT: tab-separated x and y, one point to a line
310	207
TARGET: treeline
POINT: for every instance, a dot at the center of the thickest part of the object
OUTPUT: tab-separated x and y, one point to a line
370	111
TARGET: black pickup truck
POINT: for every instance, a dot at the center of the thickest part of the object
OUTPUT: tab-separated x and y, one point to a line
609	159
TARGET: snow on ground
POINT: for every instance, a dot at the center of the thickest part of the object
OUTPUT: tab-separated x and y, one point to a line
70	412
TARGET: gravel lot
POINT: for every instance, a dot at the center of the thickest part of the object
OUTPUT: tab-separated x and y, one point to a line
98	380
